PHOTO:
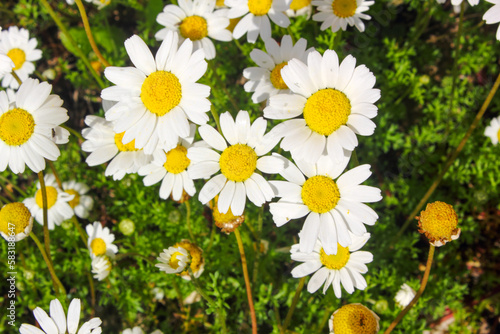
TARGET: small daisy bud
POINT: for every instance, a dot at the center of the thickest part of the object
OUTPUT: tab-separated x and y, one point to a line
197	263
354	318
439	223
127	227
16	221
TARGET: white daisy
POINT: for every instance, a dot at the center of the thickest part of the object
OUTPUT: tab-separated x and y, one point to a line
26	127
6	64
17	45
159	95
337	14
58	323
299	8
238	163
173	260
256	15
336	102
266	79
333	207
197	21
492	15
343	268
404	296
58	208
105	145
16	221
101	267
81	203
100	241
493	130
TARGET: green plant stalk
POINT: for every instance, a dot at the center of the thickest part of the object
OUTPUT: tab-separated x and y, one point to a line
247	280
19	190
295	300
3	200
289	30
73	131
258	238
92	294
216	117
18	79
450	160
81	232
188	221
419	292
456	57
54	171
73	43
46	234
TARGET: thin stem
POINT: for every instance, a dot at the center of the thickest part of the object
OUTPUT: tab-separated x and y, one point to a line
212	235
179	295
18	79
188	220
92	294
19	190
86	25
289	30
56	175
294	304
258	235
73	131
216	117
247	280
3	200
81	232
46	235
222	84
451	159
456	57
419	292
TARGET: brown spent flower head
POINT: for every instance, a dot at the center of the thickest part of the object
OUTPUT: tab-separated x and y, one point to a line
354	319
439	223
16	221
227	222
197	264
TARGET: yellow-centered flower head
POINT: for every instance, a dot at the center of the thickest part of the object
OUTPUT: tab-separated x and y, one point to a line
76	199
196	254
259	7
51	197
161	92
14	217
238	162
320	193
194	27
16	127
354	319
129	147
18	57
276	78
299	4
344	8
439	223
177	160
335	261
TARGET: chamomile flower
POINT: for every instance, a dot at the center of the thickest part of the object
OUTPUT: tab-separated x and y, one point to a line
105	145
256	15
335	101
16	221
265	80
337	14
197	262
101	267
58	208
238	163
404	296
333	203
493	130
173	260
26	127
354	318
18	46
100	241
59	323
197	21
344	268
299	8
492	15
158	96
438	222
81	203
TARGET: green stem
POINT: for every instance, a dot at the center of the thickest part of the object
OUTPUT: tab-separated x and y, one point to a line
216	117
92	294
258	235
81	232
18	79
74	132
56	175
294	304
19	190
289	30
46	234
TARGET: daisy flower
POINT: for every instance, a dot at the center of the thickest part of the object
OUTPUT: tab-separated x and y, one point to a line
158	96
238	163
333	203
100	241
492	15
58	208
170	167
299	8
6	64
26	127
81	203
336	102
344	268
197	21
256	15
404	296
354	318
105	145
16	221
17	45
173	260
59	323
337	14
101	267
493	130
266	80
197	262
438	222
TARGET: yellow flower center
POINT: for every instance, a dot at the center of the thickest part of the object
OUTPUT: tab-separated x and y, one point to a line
161	92
498	135
238	162
326	110
194	27
299	4
354	319
174	261
76	200
344	8
220	3
195	253
18	58
16	127
177	160
233	23
98	246
438	221
227	222
124	147
320	194
51	197
276	78
14	217
259	7
335	261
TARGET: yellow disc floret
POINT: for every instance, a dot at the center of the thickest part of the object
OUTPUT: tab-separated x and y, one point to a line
98	246
51	197
299	4
238	162
76	200
326	110
195	253
344	8
355	319
335	261
439	223
320	193
161	92
129	147
194	27
220	3
18	57
498	135
276	78
259	7
16	127
174	260
177	160
14	217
